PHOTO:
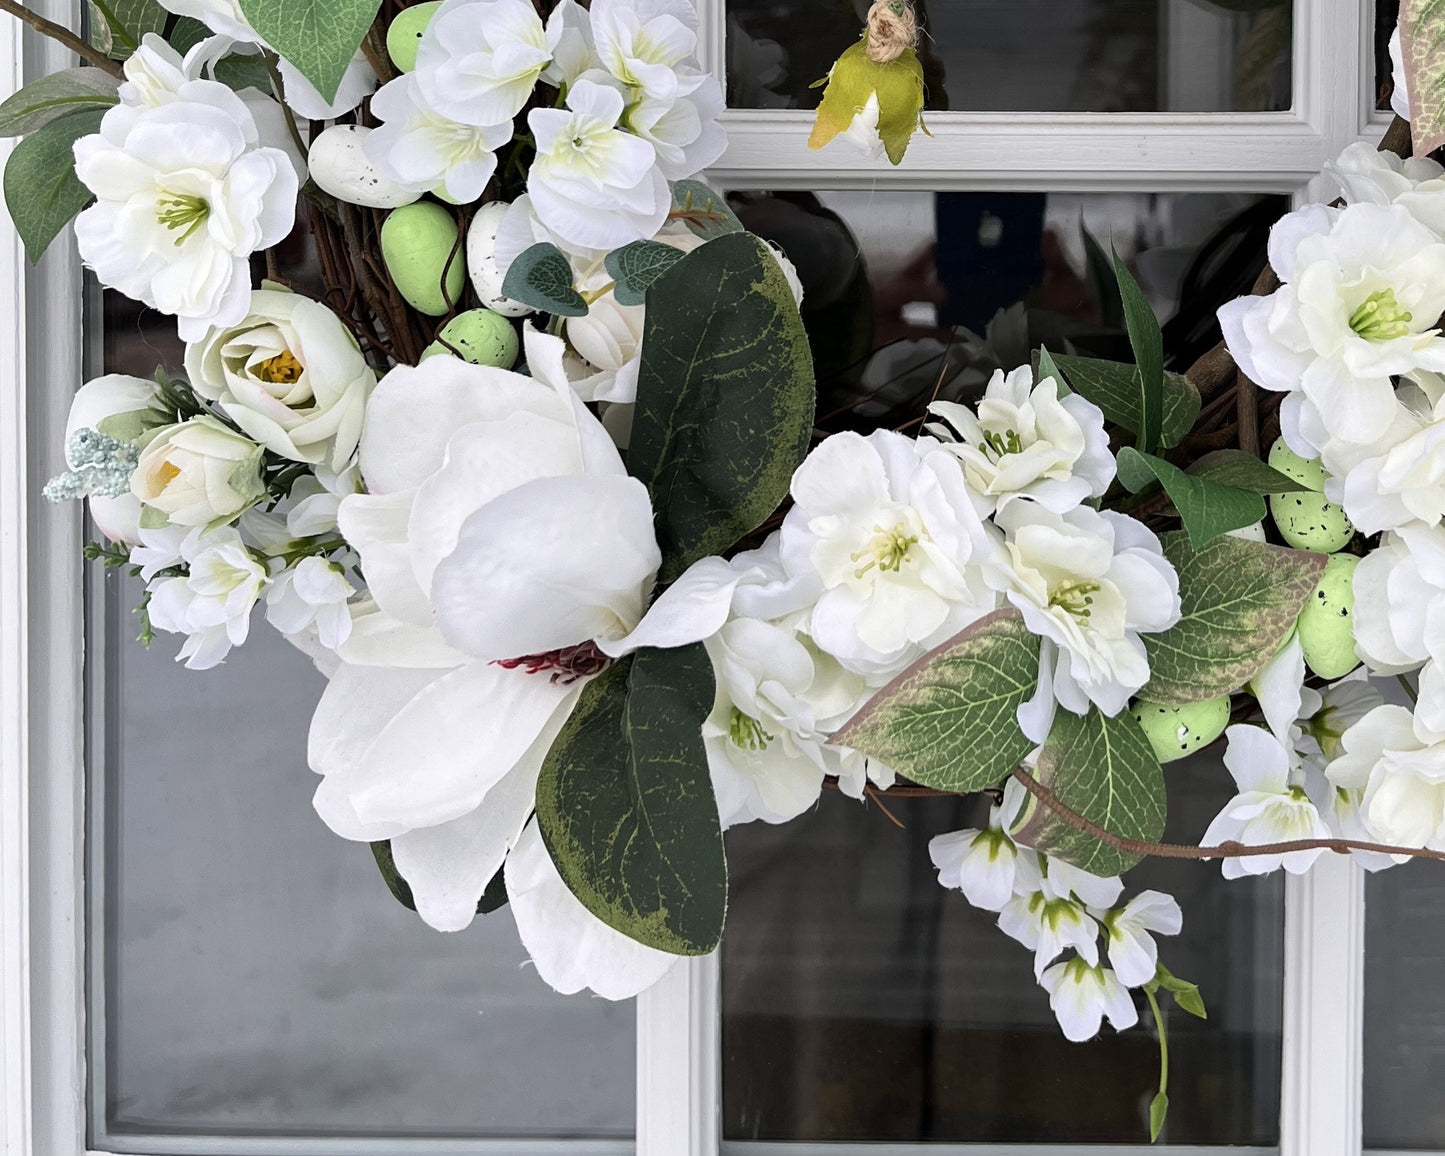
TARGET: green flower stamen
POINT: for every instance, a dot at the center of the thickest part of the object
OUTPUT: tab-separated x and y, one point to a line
746	732
183	211
887	550
1075	598
1004	443
1380	318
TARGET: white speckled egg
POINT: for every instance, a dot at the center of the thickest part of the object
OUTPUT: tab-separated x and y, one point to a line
482	260
339	166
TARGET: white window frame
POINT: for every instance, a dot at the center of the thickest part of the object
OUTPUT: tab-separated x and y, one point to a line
43	1099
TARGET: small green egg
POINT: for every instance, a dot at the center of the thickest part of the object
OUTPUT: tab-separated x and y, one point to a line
1305	471
416	241
1309	521
1326	624
1178	731
479	336
404	36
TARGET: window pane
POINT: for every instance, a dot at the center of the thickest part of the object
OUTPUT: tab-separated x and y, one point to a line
861	1001
1032	55
258	977
1387	12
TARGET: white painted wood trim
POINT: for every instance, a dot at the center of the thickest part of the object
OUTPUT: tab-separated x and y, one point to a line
678	1059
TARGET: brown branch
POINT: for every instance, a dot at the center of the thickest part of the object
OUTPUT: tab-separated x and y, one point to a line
66	37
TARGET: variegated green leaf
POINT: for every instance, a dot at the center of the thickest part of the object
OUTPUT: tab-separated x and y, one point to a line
320	37
1422	43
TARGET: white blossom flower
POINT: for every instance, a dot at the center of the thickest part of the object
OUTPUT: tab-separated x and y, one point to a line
313	593
424	150
1362	289
592	183
1339	708
315	500
1083	995
198	472
290	374
1133	954
184	197
574	54
649	45
479	60
983	864
1050	911
1089	584
1399	613
1269	808
885	536
1027	442
683	129
1380	177
212	603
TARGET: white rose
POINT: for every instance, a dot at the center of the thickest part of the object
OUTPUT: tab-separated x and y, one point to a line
198	472
290	374
212	602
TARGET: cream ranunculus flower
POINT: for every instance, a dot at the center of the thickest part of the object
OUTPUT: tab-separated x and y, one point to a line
290	375
198	473
1027	442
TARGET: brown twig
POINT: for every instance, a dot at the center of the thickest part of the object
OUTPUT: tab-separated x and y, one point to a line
63	35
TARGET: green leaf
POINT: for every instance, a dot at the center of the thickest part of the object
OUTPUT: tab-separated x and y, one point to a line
626	807
1105	770
950	721
724	397
319	37
542	278
1048	368
126	22
57	95
1239	601
41	189
1102	280
1158	1110
1113	387
241	71
1422	43
1244	471
187	33
636	266
703	211
1207	508
1187	996
1148	344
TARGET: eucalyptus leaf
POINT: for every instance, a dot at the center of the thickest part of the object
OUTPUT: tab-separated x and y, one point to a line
702	210
1113	387
626	806
1147	341
724	397
541	277
636	266
950	721
319	37
1207	508
1239	601
57	95
1244	471
41	188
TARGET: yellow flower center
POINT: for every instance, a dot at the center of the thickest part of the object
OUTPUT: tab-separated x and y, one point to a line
184	212
887	550
283	368
1380	318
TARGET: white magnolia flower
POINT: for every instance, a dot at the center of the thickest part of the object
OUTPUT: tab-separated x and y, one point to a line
290	374
885	536
184	197
1362	289
1399	614
1027	442
1377	177
649	45
1089	584
198	472
1084	995
479	60
121	407
313	593
1269	808
212	603
426	151
592	183
983	864
1050	911
1133	954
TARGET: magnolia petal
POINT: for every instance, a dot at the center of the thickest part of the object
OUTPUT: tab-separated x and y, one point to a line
691	609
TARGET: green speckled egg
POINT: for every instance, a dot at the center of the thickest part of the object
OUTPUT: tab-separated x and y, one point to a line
1305	471
1326	624
479	336
404	36
1177	731
416	241
1309	521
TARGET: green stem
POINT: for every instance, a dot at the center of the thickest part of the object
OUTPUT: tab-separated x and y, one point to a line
1163	1040
279	89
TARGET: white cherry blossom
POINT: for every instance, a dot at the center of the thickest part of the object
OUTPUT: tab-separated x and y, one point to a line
212	603
983	864
1399	614
479	60
1133	954
313	593
1083	995
424	150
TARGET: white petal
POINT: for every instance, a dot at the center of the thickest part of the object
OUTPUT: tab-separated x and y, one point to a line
691	609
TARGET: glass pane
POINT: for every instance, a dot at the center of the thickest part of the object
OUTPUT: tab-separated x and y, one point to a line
1387	12
1032	55
861	1001
258	978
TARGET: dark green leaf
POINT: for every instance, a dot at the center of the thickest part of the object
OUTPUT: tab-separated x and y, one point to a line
950	721
127	21
626	807
1114	388
1105	770
1158	1110
636	266
41	189
399	888
1102	280
724	397
542	278
1246	472
319	37
1148	344
1207	508
187	33
494	898
57	95
1239	601
240	71
703	211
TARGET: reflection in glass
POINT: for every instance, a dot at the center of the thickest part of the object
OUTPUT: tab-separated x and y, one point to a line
1032	55
1387	12
861	1001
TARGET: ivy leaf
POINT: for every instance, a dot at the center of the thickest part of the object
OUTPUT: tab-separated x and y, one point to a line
542	278
1113	387
320	37
626	807
1207	508
950	721
703	211
42	191
1244	471
57	95
1147	342
1105	770
1422	43
724	397
1239	602
125	23
636	266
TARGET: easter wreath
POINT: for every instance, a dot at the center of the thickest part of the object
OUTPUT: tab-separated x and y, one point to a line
580	617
